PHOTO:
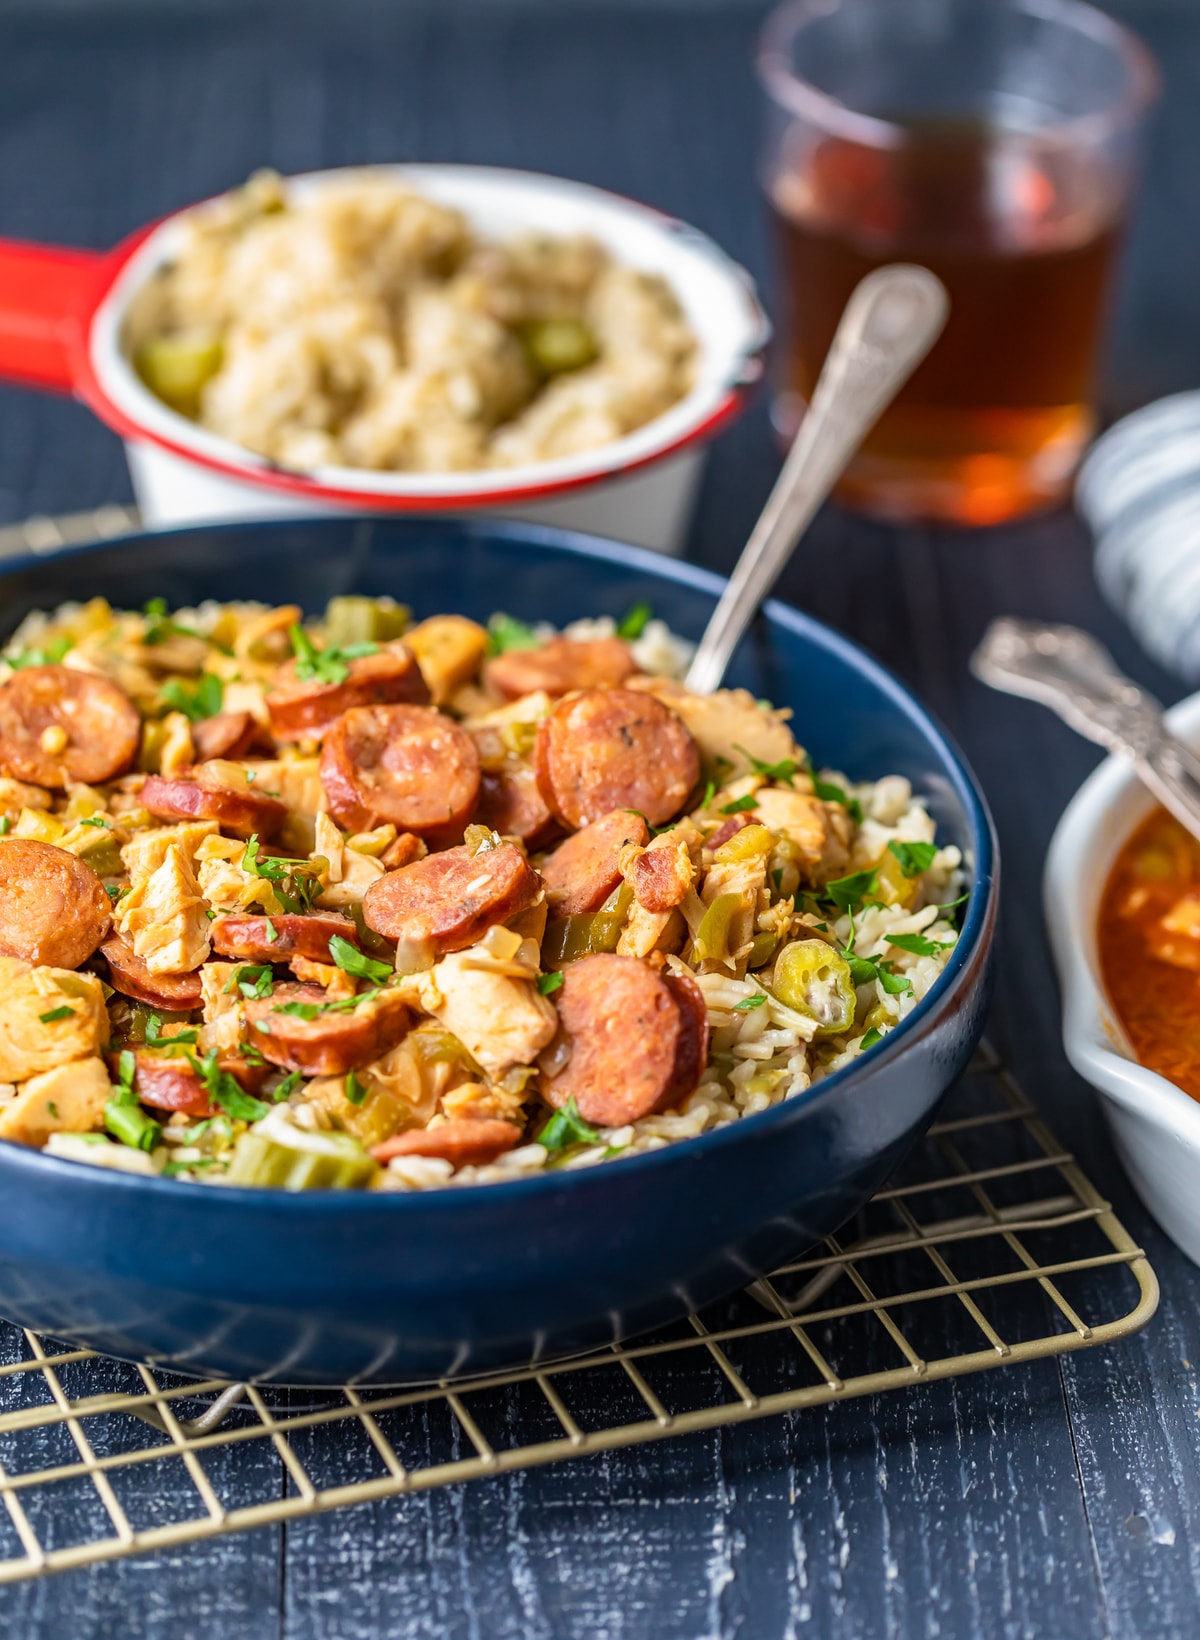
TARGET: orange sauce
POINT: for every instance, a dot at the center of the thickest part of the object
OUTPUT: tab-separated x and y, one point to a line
1149	935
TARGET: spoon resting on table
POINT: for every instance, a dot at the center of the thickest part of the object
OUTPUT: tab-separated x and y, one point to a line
891	321
1075	676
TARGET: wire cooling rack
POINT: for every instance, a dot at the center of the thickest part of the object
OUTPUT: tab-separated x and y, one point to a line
988	1249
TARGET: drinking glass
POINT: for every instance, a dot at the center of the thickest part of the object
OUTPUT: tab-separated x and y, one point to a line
996	142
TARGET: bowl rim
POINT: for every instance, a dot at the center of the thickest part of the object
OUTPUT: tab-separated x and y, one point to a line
112	389
1078	863
974	939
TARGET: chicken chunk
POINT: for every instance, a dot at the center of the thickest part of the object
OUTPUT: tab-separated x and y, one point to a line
296	782
68	1099
359	871
500	1020
144	853
164	917
30	1040
803	818
222	1004
449	651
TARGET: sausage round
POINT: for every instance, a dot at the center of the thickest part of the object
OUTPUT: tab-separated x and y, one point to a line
228	734
247	938
302	710
447	901
243	814
559	666
170	1082
511	803
611	749
406	764
331	1043
99	721
462	1143
53	908
638	1039
582	872
174	993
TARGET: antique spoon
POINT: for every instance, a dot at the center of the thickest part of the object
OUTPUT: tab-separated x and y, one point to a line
891	321
1075	676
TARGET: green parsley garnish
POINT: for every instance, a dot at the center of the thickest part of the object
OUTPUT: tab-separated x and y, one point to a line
745	1005
295	882
566	1127
5	825
225	1091
740	804
156	1039
314	1010
290	1081
505	632
781	772
353	961
549	982
328	665
829	792
710	791
633	624
848	893
50	655
97	820
252	980
914	858
202	699
356	1091
160	626
918	944
56	1013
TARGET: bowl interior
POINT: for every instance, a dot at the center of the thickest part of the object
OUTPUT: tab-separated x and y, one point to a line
716	294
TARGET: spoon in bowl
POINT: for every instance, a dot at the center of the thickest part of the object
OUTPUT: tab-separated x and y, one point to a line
891	321
1075	676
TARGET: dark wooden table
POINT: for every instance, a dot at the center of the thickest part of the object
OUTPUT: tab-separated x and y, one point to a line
1063	1498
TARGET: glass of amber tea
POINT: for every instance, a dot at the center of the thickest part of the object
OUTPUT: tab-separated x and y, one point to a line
996	142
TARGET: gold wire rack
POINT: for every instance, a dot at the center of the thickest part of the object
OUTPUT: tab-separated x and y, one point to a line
989	1248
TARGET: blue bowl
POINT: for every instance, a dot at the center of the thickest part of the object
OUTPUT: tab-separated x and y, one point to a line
328	1288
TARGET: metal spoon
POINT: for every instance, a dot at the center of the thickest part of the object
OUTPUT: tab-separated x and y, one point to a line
1075	676
890	323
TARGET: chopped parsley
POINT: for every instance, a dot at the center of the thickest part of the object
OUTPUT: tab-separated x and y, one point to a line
52	1108
710	791
566	1127
314	1010
740	804
50	655
549	982
5	825
252	980
290	1081
55	1014
356	1091
156	1039
914	858
202	699
295	882
848	893
329	665
505	632
225	1091
353	961
160	626
781	772
829	792
745	1005
97	820
633	624
917	944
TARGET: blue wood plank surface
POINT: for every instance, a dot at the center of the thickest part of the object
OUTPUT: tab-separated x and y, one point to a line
1059	1499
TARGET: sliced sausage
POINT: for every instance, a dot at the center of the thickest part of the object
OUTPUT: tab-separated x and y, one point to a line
447	901
248	938
170	1082
174	993
463	1143
58	726
406	764
228	734
53	908
728	829
559	666
302	710
660	879
637	1039
511	803
329	1044
614	749
241	813
582	872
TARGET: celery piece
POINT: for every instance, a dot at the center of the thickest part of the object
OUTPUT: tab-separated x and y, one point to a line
325	1161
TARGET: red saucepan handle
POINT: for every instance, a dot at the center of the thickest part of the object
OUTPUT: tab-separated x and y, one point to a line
47	294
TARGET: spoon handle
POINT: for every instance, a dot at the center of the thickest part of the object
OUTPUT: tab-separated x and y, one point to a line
1076	677
890	323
